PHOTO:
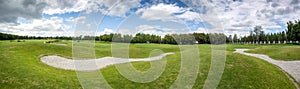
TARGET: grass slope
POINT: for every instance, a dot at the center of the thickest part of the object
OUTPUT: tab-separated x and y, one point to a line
279	52
20	67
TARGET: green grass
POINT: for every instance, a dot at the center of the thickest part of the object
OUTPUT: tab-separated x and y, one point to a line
21	68
248	72
279	52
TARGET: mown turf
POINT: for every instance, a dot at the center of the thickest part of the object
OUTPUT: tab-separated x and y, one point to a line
21	68
249	72
279	52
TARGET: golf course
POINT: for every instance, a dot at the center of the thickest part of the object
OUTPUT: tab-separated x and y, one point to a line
149	44
20	66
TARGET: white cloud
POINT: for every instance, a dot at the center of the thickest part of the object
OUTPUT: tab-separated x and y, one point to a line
123	7
168	12
97	33
112	7
152	29
107	7
160	12
200	30
235	16
41	27
107	31
80	19
64	6
244	15
12	9
240	16
189	15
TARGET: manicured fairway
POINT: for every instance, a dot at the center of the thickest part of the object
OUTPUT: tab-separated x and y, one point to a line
21	68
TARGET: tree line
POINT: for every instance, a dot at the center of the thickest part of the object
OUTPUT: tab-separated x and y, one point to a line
190	38
4	36
290	35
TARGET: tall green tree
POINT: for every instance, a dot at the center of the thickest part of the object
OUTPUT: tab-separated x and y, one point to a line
235	38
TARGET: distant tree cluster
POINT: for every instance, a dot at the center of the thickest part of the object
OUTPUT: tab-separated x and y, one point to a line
138	38
291	34
4	36
191	38
279	37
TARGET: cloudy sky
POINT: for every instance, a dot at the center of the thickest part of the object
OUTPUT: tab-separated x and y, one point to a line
71	17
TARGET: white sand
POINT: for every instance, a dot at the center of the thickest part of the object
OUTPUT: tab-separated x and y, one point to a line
92	64
62	44
291	67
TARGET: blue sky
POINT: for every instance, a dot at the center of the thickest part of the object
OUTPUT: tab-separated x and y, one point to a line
161	17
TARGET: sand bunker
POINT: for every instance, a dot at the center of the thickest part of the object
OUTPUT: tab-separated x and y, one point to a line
92	64
291	67
62	44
